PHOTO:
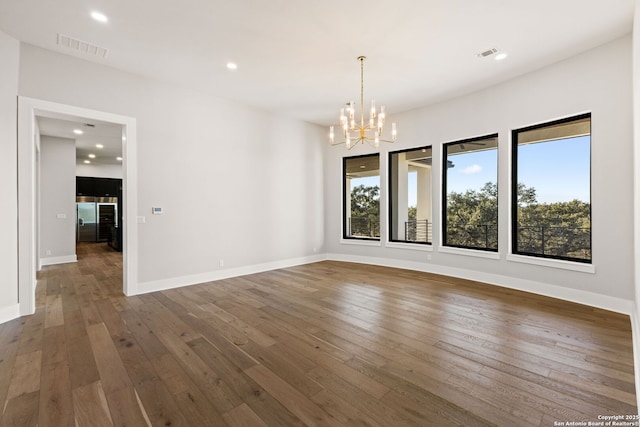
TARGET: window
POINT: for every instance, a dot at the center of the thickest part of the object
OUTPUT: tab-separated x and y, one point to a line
410	218
361	197
551	210
470	193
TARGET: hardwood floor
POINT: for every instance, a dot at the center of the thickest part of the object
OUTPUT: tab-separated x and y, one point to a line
325	344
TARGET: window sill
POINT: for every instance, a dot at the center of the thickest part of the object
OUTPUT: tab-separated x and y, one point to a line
553	263
469	252
413	246
360	242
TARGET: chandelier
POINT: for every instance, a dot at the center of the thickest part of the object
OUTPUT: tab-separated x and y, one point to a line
369	132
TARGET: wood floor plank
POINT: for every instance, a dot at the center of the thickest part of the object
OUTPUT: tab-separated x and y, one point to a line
9	347
90	406
144	335
243	416
343	411
213	335
54	345
110	316
112	371
26	374
56	401
216	390
192	401
159	404
32	332
22	411
82	363
53	311
367	404
89	310
125	408
292	399
153	309
264	405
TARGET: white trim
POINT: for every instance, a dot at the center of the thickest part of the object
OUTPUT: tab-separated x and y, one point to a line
549	120
194	279
361	242
411	246
635	336
591	299
58	260
9	313
28	109
478	253
553	263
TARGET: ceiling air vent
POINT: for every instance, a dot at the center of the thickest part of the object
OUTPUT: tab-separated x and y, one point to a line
82	47
488	53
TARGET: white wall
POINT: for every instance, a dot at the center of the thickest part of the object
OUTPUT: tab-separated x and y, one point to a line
57	200
9	58
99	171
598	81
237	184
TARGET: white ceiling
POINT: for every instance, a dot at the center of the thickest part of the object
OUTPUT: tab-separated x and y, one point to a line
94	132
299	57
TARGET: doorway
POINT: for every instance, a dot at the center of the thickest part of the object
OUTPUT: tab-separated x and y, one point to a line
29	110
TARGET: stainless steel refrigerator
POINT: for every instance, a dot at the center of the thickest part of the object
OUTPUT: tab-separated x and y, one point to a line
95	218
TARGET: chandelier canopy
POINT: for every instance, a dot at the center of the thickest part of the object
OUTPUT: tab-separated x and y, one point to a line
369	132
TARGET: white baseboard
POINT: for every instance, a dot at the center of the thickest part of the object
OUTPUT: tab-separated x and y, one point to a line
9	313
591	299
58	260
177	282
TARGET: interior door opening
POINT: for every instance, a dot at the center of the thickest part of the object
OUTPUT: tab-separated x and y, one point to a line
31	112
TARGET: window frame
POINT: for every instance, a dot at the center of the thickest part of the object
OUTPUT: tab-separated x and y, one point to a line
443	219
390	194
514	192
346	192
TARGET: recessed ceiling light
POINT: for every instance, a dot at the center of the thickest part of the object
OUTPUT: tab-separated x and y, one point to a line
92	156
232	65
99	146
362	166
78	132
87	161
119	158
500	56
100	17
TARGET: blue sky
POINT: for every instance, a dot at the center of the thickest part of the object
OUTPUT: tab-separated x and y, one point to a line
472	170
543	166
558	170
